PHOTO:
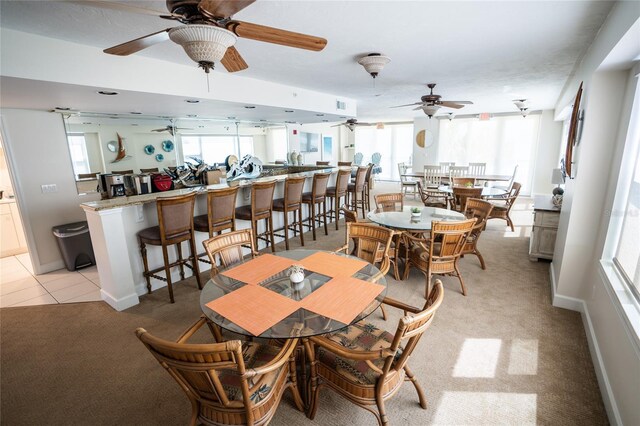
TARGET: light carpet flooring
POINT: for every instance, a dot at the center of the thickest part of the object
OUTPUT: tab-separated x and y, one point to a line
500	355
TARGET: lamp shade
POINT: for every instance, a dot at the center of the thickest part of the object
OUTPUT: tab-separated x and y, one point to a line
556	177
205	44
373	63
430	110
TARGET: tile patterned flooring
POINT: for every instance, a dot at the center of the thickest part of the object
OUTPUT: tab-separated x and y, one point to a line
19	286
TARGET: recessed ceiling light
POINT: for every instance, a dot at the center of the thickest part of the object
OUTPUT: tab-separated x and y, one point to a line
133	124
200	127
263	120
86	122
135	112
290	122
231	118
257	125
63	109
343	117
192	115
325	121
192	101
288	110
107	93
249	106
319	115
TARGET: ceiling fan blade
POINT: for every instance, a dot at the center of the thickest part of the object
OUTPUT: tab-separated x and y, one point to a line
138	44
222	8
122	7
400	106
450	104
461	102
337	125
276	36
416	109
232	60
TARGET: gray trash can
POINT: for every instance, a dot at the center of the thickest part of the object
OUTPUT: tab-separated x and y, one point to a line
75	246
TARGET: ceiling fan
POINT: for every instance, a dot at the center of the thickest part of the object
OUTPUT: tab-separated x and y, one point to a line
431	103
352	123
172	130
209	32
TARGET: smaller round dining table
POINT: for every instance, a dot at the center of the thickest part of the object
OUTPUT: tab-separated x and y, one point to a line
487	191
405	221
300	322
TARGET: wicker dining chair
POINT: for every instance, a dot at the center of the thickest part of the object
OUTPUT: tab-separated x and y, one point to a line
502	208
461	194
389	202
226	249
322	163
367	365
228	383
440	253
433	197
344	163
463	181
356	190
481	210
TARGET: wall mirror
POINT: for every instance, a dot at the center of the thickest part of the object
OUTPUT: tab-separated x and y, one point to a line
150	143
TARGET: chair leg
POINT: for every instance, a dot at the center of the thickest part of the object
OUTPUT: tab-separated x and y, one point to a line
464	290
427	287
167	272
380	403
180	260
286	229
271	237
194	257
312	218
324	216
480	258
254	228
384	313
334	206
510	223
145	262
300	225
297	399
412	379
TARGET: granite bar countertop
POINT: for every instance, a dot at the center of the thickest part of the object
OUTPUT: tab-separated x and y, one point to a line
118	202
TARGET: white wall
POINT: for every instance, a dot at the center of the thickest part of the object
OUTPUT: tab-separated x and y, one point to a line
37	148
579	283
546	154
428	155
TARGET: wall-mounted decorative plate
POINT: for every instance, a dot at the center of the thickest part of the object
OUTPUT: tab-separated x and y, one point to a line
112	146
159	157
167	146
149	149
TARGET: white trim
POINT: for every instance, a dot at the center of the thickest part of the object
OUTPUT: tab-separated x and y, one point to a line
49	267
122	303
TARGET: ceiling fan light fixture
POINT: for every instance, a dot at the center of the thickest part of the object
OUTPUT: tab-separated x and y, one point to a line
520	103
430	110
204	44
380	126
373	63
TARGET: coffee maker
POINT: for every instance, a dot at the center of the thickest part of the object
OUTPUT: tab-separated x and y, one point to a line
114	185
137	184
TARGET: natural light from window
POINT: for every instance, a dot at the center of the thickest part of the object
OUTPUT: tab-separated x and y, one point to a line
478	358
501	143
79	156
486	408
523	357
394	143
215	149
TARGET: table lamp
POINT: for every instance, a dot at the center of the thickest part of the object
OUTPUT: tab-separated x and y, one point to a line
557	178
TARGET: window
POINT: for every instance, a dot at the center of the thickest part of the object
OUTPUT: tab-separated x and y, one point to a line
79	156
393	142
502	143
627	257
215	149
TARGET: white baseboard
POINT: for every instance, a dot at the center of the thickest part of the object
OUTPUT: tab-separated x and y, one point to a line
579	305
49	267
122	303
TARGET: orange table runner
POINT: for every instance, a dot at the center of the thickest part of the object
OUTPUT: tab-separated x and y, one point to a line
342	298
254	308
259	269
332	265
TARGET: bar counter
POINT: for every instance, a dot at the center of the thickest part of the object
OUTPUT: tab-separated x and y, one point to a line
114	224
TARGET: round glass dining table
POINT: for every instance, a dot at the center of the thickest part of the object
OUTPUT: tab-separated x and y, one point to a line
404	220
298	321
487	191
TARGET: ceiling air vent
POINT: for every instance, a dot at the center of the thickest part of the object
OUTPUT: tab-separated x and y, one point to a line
341	105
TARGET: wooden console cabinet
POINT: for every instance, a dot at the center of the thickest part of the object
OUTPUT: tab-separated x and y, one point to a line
545	227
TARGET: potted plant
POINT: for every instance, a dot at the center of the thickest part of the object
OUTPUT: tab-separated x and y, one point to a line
415	212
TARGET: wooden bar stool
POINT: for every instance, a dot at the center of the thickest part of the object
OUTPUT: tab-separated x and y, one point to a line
335	194
175	225
221	214
317	196
261	208
357	188
367	189
291	203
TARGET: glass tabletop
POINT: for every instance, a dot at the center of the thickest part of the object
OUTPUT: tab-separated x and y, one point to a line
405	220
301	322
487	191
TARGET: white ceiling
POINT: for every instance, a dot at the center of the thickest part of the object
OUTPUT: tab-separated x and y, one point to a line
486	52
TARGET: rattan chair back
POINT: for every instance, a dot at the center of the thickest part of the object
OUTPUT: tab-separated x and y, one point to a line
227	249
480	210
262	199
432	197
461	194
372	243
361	176
175	217
344	163
319	187
293	187
389	202
342	182
463	181
350	216
221	209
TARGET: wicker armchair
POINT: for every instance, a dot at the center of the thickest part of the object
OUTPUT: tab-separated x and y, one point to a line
433	197
463	181
480	210
439	255
230	383
226	249
502	208
366	365
461	195
389	202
